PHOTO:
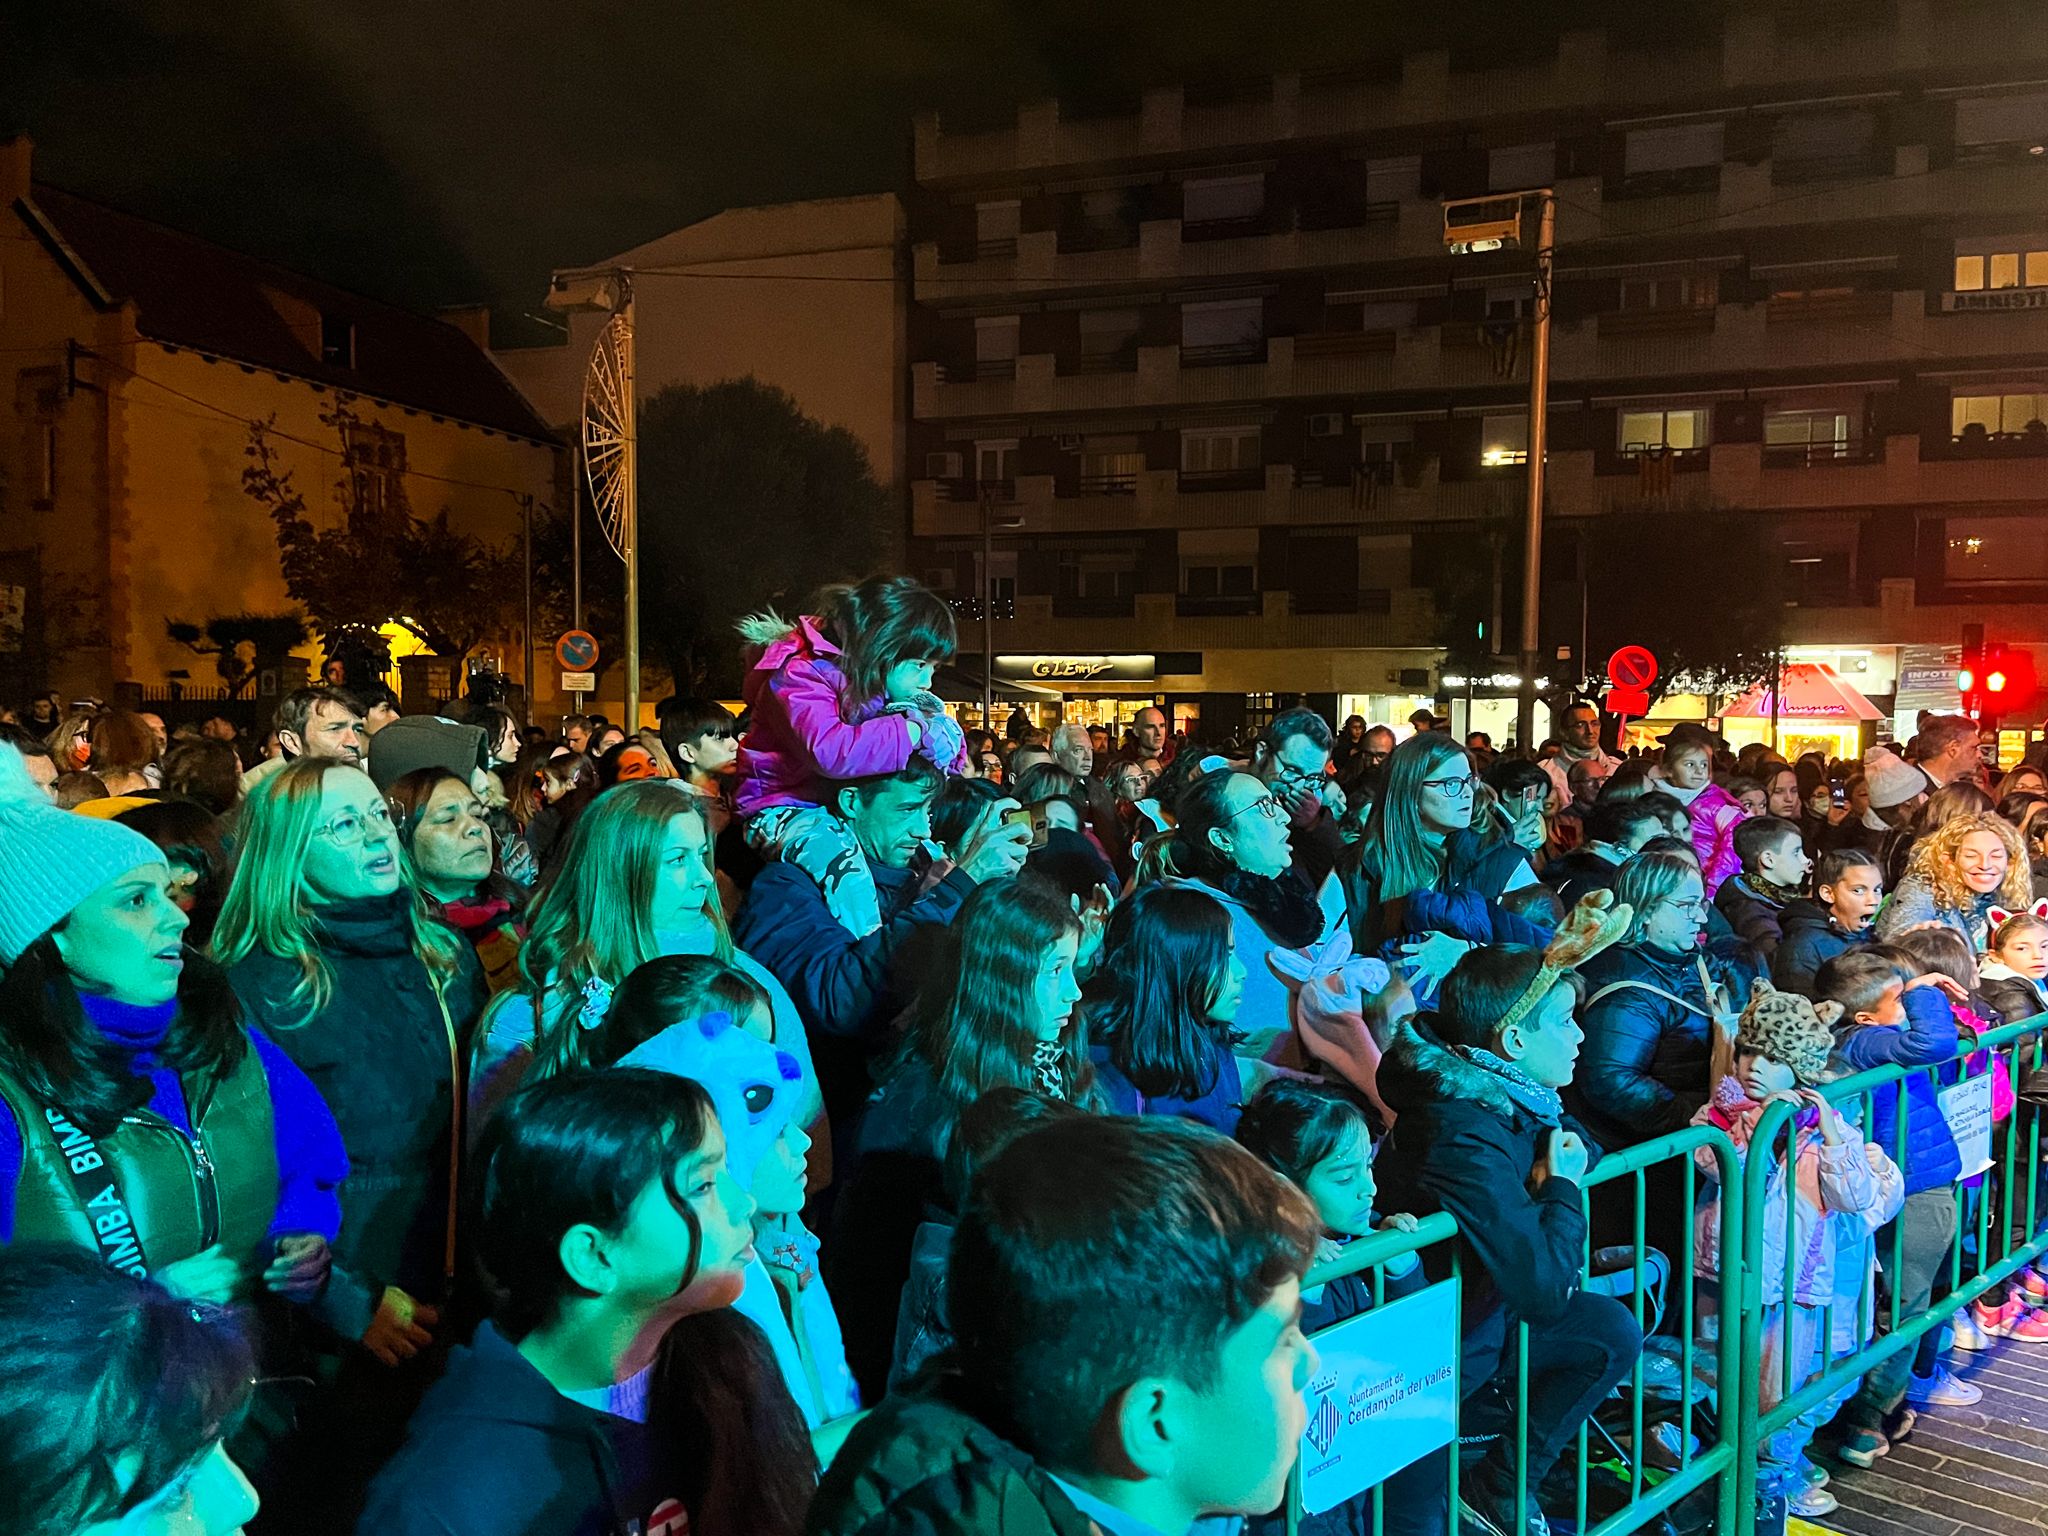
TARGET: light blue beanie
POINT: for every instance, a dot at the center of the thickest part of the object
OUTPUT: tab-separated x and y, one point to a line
54	859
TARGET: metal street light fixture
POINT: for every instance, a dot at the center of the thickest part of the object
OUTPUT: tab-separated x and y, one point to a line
1494	223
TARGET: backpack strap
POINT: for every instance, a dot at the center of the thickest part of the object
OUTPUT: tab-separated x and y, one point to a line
1643	986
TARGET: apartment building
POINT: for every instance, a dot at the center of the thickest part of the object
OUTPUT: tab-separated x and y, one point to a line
1199	373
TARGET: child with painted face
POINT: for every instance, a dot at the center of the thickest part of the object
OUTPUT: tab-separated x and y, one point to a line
756	1088
139	1119
605	1208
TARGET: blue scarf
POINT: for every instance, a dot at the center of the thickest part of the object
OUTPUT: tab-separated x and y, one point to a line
1527	1093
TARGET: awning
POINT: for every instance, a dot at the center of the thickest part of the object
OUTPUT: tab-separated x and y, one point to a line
960	683
1808	690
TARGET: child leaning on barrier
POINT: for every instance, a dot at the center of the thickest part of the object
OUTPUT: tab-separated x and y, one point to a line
1780	1052
1318	1137
1893	1015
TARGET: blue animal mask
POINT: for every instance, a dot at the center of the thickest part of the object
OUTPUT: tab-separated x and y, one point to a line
753	1086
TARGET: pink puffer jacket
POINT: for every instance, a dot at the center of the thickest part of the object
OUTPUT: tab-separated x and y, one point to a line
1715	815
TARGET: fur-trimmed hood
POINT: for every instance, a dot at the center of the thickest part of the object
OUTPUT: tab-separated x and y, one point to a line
1418	1070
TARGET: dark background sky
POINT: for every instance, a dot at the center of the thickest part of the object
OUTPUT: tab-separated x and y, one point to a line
447	151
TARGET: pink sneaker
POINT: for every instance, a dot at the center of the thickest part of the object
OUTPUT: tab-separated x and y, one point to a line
2034	1285
2027	1324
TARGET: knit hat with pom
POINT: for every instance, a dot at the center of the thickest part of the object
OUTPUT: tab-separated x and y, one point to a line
54	859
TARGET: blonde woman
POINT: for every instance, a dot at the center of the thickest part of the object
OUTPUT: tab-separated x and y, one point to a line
330	946
633	883
1956	874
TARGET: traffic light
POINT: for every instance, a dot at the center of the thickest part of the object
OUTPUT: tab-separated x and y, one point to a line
1971	670
1994	678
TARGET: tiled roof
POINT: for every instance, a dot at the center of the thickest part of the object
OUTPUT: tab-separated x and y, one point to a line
191	293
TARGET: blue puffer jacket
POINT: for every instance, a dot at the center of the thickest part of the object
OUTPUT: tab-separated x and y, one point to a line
1927	1038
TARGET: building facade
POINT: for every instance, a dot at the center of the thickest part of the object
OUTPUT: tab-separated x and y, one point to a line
136	361
1202	376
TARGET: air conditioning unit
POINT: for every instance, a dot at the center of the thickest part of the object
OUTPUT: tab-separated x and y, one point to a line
942	466
1068	442
1326	424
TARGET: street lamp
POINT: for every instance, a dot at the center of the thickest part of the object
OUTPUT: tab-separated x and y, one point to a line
991	492
1477	224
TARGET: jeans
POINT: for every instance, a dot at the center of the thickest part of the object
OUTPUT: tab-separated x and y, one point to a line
1575	1360
1928	1223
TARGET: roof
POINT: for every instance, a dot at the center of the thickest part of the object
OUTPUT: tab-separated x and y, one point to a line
189	292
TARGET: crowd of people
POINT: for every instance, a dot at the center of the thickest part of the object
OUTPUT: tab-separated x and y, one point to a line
437	1125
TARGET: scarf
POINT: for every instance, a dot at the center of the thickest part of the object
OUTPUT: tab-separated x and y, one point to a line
1045	1062
1284	906
1527	1093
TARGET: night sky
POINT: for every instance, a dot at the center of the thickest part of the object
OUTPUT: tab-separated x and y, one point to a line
445	151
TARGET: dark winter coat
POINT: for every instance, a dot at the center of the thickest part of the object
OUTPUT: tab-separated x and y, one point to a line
921	1466
494	1450
2008	994
1470	864
379	1053
1754	911
1811	939
1573	874
1643	1069
1928	1038
1461	1145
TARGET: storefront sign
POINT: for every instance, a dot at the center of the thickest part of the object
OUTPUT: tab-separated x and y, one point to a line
1387	1394
1076	669
1994	299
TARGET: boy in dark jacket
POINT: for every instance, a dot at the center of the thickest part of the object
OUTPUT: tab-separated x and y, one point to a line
1775	865
1848	888
1894	1016
1481	1134
537	1428
1129	1353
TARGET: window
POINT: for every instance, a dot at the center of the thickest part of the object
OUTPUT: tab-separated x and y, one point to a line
1681	431
337	342
1680	148
1520	166
1822	143
997	223
1220	451
373	458
1973	417
1387	315
1697	290
1509	301
1107	334
1219	564
1214	199
1996	549
995	462
995	347
2011	267
1988	121
1393	179
1100	577
1110	465
1808	436
1235	325
1504	440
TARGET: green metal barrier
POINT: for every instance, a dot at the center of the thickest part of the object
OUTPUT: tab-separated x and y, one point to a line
1373	1254
1652	1492
2003	1248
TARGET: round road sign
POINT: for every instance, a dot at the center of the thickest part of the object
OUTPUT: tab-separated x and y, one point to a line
576	651
1632	667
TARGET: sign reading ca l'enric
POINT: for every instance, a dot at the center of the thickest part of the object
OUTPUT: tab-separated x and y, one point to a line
1079	669
1386	1394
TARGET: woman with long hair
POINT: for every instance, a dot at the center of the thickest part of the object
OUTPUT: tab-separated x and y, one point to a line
1945	804
71	742
1162	1006
998	1012
1420	839
445	829
335	952
633	882
1957	874
140	1121
1230	842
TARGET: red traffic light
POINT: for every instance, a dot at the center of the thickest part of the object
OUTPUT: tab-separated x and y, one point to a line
1994	681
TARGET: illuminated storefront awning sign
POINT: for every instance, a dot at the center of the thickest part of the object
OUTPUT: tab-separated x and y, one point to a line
1077	669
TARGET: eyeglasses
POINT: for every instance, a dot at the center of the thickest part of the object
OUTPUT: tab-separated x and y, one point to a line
1696	906
1457	789
351	829
1265	805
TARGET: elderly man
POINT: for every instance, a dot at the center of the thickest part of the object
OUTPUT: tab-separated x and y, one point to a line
1073	748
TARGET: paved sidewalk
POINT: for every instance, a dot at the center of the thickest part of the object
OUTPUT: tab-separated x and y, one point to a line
1979	1471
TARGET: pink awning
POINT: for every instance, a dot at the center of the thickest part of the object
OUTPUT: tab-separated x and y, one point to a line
1809	690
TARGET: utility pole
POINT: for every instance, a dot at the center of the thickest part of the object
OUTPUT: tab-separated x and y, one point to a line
988	607
629	516
526	633
1539	431
576	552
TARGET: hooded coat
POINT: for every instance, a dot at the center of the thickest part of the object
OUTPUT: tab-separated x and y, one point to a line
495	1450
1461	1144
1811	939
1644	1067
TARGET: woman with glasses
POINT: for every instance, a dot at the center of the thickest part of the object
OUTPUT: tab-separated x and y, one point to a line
1420	838
1230	840
333	949
1650	1007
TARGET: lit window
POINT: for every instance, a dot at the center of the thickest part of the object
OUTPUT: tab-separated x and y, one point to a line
2037	269
1974	415
2005	270
1678	430
1969	273
1504	440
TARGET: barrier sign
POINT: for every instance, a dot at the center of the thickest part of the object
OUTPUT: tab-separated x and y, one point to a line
1386	1395
1967	1108
579	682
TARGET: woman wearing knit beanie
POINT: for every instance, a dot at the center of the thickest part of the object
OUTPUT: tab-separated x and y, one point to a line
138	1117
